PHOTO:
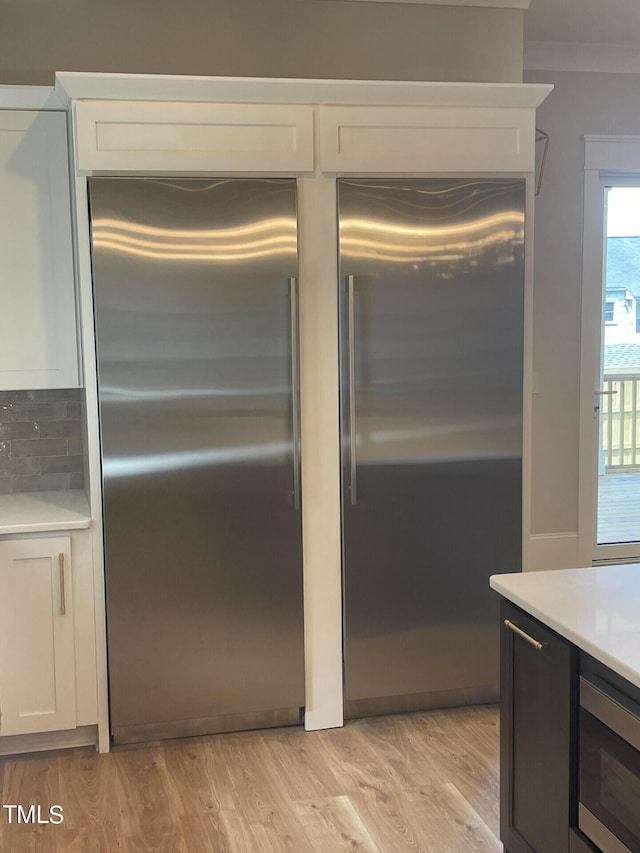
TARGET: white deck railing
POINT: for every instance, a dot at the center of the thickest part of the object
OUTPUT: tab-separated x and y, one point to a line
621	420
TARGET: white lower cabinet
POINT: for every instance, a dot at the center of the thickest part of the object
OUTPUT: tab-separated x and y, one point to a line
37	644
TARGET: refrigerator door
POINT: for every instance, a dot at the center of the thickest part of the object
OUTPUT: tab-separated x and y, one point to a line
196	324
431	306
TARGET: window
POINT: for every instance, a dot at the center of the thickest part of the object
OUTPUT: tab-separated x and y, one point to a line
608	311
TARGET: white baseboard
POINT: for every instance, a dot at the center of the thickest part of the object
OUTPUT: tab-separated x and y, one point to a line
552	551
82	736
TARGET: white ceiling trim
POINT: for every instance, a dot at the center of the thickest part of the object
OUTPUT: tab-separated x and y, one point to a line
571	56
498	4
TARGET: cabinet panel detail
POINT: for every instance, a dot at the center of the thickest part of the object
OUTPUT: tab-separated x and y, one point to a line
37	662
425	139
183	137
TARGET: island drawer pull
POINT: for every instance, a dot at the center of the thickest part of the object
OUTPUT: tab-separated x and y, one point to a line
63	601
513	627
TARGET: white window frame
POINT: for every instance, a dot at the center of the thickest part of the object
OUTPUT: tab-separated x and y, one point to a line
608	160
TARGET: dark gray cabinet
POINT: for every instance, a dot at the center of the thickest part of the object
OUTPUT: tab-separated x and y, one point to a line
538	735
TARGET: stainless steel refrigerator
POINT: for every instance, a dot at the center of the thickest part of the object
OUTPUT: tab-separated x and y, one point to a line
196	328
431	310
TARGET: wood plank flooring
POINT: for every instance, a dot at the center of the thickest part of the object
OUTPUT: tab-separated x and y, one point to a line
426	781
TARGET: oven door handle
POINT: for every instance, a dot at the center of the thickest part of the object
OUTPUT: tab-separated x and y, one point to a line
612	708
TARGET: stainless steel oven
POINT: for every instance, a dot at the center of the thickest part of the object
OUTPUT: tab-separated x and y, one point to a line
609	767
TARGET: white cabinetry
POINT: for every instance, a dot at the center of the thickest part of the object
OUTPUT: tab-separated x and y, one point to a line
37	648
418	139
130	136
313	130
37	318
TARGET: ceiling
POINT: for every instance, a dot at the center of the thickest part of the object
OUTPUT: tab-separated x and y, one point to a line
583	21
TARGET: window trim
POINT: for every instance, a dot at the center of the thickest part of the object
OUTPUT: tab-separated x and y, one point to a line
609	159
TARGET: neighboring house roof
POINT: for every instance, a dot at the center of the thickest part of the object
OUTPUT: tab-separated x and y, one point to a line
623	264
621	356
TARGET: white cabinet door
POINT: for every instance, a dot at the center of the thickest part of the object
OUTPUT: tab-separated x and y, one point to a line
37	313
426	139
37	660
169	136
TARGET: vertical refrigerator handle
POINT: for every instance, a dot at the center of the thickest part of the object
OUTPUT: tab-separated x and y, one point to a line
295	389
351	332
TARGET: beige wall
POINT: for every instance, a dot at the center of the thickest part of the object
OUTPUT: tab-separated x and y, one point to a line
579	104
264	38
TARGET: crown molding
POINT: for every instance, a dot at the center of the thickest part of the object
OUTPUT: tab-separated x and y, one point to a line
572	56
159	87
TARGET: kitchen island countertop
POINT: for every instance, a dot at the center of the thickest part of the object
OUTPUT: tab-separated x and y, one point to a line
31	512
596	609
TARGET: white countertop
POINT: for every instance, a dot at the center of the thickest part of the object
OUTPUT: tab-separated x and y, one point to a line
597	609
30	512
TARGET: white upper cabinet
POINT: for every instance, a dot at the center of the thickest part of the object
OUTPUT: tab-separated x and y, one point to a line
134	136
38	346
435	139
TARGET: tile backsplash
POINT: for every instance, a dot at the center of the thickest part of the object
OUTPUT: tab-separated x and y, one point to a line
41	440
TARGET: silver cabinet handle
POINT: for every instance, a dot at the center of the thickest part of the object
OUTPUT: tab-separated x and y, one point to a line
295	389
513	627
353	493
63	600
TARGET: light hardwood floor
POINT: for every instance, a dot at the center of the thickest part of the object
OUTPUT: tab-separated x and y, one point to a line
426	781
